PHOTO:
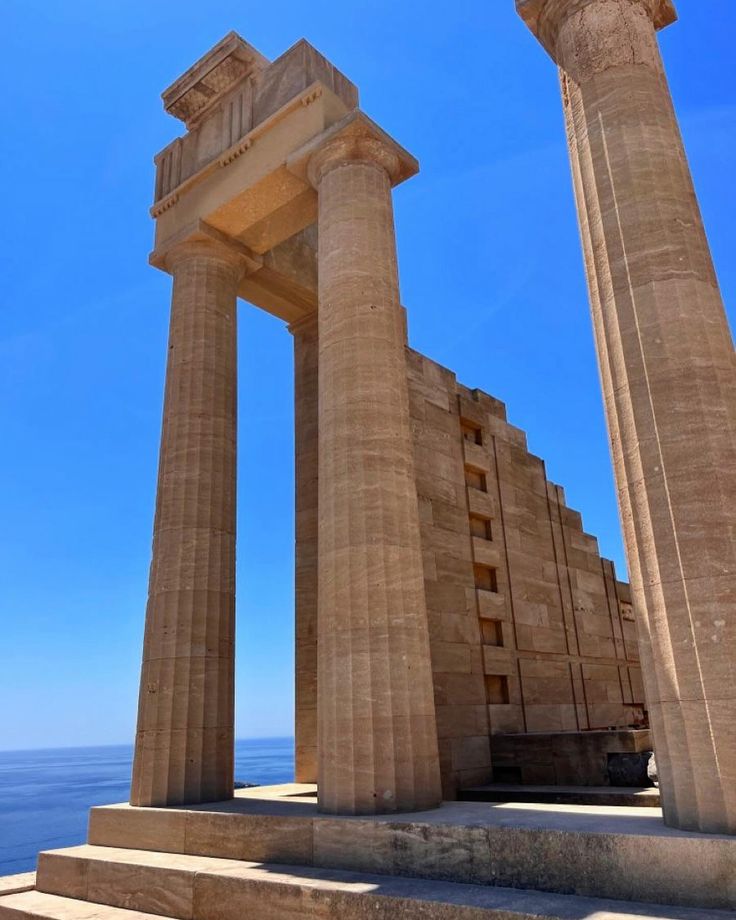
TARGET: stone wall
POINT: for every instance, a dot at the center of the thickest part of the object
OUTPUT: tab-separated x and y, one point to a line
530	630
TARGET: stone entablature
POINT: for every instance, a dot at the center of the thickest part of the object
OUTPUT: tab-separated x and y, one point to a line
245	93
235	174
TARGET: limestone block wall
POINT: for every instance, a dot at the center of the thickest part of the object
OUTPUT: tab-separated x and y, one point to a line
530	630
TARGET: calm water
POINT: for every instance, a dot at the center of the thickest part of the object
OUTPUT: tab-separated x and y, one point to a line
45	795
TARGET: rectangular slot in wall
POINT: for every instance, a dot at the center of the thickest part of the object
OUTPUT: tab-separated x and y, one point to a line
471	433
497	689
485	578
510	775
480	527
491	632
475	479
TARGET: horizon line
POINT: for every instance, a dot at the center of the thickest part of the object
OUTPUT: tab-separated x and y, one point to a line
126	744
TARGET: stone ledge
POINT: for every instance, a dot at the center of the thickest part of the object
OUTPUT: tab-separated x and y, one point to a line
13	884
33	905
197	888
591	851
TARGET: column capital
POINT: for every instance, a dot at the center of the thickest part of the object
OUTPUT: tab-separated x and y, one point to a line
200	239
546	17
354	139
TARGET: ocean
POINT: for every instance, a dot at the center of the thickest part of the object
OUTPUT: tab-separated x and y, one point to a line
45	796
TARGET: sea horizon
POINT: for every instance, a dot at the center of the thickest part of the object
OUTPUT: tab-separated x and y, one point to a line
121	744
46	793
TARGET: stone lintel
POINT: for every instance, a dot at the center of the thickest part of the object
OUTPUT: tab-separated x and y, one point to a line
282	281
247	192
199	231
192	95
286	285
352	129
544	17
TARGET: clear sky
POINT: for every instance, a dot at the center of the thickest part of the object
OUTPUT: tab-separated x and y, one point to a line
491	275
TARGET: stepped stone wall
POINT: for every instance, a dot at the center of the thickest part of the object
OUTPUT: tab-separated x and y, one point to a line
530	630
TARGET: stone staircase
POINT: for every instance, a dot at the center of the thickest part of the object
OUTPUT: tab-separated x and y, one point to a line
273	858
91	883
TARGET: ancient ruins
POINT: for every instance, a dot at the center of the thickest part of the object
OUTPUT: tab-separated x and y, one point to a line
487	588
455	624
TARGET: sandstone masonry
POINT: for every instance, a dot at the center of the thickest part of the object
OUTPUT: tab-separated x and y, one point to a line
530	630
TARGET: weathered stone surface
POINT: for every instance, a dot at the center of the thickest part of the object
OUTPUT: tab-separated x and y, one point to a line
119	825
276	892
628	769
22	881
568	758
35	905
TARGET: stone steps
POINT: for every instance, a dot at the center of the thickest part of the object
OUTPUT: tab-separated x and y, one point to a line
622	796
108	883
12	884
599	852
34	905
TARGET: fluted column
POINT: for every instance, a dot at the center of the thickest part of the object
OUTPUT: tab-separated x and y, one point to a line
306	569
669	380
376	720
184	742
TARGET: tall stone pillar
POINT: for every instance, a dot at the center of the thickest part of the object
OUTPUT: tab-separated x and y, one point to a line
306	569
184	742
669	381
377	733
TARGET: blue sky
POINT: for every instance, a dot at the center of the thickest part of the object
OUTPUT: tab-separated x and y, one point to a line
491	275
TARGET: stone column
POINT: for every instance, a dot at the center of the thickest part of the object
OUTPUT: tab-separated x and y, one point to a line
306	571
669	381
184	742
377	732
